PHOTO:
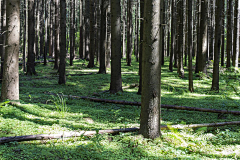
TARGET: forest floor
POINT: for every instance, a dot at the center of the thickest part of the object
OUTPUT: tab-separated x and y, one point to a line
40	113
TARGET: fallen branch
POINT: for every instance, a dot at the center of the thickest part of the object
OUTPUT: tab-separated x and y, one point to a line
130	86
109	131
162	106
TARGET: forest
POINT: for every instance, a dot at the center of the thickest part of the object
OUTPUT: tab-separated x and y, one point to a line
119	79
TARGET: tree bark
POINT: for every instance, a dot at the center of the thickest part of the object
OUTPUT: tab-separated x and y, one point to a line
81	30
31	36
124	28
223	36
10	82
180	38
116	78
72	32
217	44
3	37
229	33
87	26
92	45
235	36
202	67
190	46
173	37
141	46
62	65
151	70
129	32
57	29
102	68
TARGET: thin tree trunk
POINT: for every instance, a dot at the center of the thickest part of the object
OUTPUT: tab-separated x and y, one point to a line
223	36
173	37
72	32
124	29
81	30
235	36
57	28
87	26
190	46
3	37
229	33
129	32
62	64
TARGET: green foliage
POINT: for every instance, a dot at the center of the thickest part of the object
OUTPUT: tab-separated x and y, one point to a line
36	115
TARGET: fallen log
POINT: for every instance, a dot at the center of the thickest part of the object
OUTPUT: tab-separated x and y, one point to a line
109	131
162	105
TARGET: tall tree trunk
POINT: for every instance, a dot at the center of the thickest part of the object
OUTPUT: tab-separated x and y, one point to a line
50	29
3	37
173	37
92	45
124	28
24	35
46	35
203	38
198	38
116	79
102	68
163	34
31	36
41	27
57	28
223	36
72	32
62	64
235	36
136	42
141	46
229	33
87	26
10	82
81	30
180	38
129	32
108	34
218	24
190	46
151	89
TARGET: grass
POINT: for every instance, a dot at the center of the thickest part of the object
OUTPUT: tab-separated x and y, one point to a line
38	115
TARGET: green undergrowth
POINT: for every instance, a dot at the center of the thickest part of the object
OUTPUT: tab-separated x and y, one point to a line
41	113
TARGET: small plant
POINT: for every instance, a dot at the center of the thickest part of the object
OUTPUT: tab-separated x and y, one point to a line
60	103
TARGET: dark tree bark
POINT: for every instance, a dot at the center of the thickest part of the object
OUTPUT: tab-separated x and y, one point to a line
108	34
116	78
203	38
57	29
173	37
62	65
31	36
72	32
151	70
46	35
136	41
190	46
235	36
87	26
41	27
129	32
180	38
217	44
81	18
25	35
92	45
10	82
141	46
124	29
102	68
50	29
223	36
229	33
198	42
163	34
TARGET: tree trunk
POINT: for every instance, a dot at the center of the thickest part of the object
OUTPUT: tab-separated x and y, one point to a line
3	37
92	45
41	27
203	38
180	38
124	29
102	68
129	32
235	36
108	34
217	44
46	35
72	32
173	37
25	35
62	65
87	25
31	36
151	70
81	30
57	29
229	33
190	46
116	79
10	82
141	46
136	42
223	36
163	34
